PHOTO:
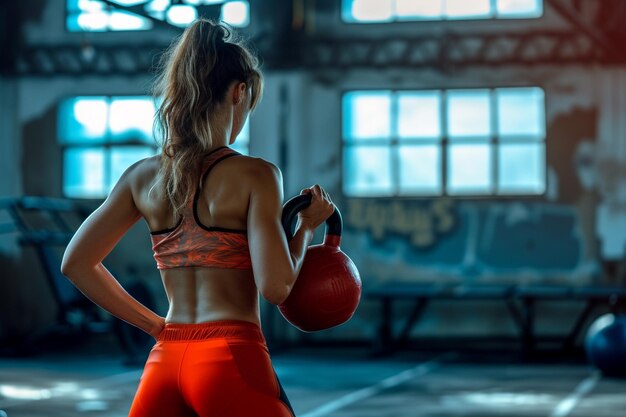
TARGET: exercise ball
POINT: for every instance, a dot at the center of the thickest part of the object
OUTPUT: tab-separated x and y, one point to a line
328	288
605	344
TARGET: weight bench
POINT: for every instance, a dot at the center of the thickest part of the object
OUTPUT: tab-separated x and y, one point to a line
519	300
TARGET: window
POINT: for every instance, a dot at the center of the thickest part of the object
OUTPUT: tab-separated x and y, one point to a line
102	136
370	11
96	16
468	142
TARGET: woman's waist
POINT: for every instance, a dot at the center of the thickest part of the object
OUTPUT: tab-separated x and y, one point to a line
203	295
235	330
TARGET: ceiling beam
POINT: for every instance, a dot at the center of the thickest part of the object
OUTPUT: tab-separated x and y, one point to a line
569	13
445	52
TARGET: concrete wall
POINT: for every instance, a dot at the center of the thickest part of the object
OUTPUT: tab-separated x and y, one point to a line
554	239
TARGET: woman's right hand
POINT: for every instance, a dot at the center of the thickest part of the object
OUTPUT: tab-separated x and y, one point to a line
320	209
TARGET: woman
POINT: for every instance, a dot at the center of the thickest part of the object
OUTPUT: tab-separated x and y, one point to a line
214	217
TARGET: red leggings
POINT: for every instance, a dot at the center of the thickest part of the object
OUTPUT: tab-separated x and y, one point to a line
214	369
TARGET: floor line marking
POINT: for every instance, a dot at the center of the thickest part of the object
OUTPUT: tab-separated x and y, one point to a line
372	390
566	406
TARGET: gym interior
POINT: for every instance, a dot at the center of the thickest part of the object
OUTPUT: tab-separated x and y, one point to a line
475	149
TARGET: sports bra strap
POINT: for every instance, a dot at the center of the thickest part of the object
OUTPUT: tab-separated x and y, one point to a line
214	158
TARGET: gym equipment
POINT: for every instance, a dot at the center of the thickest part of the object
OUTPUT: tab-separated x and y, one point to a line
605	344
328	289
522	302
47	225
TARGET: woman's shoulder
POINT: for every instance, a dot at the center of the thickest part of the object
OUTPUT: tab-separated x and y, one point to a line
255	166
143	171
146	166
254	172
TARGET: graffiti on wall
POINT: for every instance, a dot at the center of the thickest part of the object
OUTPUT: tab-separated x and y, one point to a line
404	240
421	223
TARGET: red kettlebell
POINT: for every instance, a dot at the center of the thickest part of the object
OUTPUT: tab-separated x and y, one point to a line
328	289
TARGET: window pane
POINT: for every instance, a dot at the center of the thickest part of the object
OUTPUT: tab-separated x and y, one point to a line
468	113
367	170
93	22
367	115
83	173
521	168
157	6
131	119
95	15
520	8
419	114
200	2
124	156
469	169
521	112
424	9
236	13
83	120
129	2
368	10
460	9
120	20
181	15
420	169
90	5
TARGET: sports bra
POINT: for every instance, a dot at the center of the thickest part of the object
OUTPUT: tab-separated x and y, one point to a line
192	244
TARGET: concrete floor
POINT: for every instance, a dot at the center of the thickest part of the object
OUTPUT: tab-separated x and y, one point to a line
340	383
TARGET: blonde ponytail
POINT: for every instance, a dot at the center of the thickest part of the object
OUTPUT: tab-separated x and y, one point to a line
195	74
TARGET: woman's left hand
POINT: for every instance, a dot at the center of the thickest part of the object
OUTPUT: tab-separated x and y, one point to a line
158	327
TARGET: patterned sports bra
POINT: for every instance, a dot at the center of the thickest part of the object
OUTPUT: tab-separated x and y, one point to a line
190	243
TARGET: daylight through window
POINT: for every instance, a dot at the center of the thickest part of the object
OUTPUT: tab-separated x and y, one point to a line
444	142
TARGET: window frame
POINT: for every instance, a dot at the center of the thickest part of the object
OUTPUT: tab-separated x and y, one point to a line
127	31
124	31
444	141
106	145
401	21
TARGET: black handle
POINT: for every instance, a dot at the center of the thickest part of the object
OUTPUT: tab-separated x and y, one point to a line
334	223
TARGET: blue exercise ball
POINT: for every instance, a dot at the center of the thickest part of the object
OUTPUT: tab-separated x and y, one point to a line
605	344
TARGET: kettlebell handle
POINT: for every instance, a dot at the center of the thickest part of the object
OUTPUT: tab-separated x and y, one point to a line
293	206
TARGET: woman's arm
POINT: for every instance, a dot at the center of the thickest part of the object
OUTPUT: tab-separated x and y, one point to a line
94	240
275	262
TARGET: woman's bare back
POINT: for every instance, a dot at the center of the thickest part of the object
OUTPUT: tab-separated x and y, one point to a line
204	294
